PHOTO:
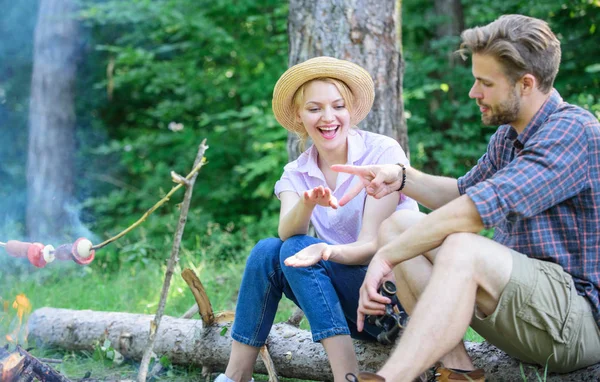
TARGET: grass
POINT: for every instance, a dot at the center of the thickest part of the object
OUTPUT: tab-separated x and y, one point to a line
133	290
81	364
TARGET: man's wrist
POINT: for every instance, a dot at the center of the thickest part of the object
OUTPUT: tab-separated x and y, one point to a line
386	254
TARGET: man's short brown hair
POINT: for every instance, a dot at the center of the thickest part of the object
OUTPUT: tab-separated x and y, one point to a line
522	45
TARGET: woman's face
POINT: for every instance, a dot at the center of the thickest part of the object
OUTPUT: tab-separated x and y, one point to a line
324	115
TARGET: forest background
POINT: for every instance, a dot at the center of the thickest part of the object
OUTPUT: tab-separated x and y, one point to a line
157	77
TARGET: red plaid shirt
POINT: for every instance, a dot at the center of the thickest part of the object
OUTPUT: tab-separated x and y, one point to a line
540	190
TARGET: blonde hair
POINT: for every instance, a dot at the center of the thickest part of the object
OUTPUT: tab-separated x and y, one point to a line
298	101
521	44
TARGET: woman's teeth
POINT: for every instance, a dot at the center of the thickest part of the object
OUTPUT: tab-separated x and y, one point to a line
328	132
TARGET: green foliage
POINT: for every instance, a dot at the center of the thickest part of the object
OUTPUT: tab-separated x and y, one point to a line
106	354
183	71
445	133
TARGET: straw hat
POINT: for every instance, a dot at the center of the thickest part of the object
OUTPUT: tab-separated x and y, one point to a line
358	80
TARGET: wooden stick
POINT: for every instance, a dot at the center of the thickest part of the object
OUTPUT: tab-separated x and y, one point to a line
202	300
50	360
266	358
173	260
187	182
191	312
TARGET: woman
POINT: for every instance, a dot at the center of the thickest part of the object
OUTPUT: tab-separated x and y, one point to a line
322	98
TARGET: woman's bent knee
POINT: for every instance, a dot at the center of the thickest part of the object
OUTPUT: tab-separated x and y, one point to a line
295	244
399	222
264	254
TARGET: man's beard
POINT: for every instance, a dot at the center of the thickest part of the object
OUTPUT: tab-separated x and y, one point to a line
504	113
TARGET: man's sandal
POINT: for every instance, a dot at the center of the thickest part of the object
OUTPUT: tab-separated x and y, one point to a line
364	376
372	377
443	374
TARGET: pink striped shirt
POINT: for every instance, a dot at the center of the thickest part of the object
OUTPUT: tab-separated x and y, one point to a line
342	226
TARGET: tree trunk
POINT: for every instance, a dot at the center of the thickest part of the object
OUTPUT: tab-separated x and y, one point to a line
365	32
451	14
294	354
452	23
52	119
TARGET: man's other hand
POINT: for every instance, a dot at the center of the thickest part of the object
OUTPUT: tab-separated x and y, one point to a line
371	302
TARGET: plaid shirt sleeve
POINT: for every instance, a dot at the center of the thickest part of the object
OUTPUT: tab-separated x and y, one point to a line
486	166
550	168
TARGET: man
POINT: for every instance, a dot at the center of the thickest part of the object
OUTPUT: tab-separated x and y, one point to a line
533	291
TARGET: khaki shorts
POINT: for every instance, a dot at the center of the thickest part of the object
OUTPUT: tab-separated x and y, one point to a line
541	319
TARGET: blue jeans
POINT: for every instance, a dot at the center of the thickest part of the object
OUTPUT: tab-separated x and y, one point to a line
327	292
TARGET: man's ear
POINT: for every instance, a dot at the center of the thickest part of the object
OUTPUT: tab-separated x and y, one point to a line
528	84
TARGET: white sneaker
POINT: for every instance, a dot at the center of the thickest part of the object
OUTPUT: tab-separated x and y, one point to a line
224	378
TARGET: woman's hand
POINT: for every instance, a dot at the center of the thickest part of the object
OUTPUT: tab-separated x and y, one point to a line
310	255
321	196
371	302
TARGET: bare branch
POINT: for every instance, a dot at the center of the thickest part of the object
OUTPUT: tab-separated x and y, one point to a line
173	260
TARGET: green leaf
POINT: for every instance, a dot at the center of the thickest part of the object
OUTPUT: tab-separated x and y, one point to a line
223	331
165	361
592	68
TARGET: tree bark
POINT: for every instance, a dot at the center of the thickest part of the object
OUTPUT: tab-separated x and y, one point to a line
451	14
365	32
52	120
452	23
294	354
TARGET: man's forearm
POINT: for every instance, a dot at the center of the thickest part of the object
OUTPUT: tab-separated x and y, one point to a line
429	190
459	215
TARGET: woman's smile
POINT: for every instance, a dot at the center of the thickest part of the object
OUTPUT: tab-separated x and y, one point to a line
329	131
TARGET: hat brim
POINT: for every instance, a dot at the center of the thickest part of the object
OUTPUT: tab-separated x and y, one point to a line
357	79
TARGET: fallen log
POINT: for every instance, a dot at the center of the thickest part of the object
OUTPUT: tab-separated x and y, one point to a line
186	342
502	368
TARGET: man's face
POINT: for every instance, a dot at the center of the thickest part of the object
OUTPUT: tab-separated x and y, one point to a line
498	99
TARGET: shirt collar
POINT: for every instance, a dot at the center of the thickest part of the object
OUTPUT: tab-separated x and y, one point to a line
538	120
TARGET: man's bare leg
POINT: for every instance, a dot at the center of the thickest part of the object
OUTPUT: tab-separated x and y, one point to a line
468	268
341	355
412	277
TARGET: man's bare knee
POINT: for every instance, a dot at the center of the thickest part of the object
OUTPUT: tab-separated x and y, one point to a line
399	222
480	259
458	251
